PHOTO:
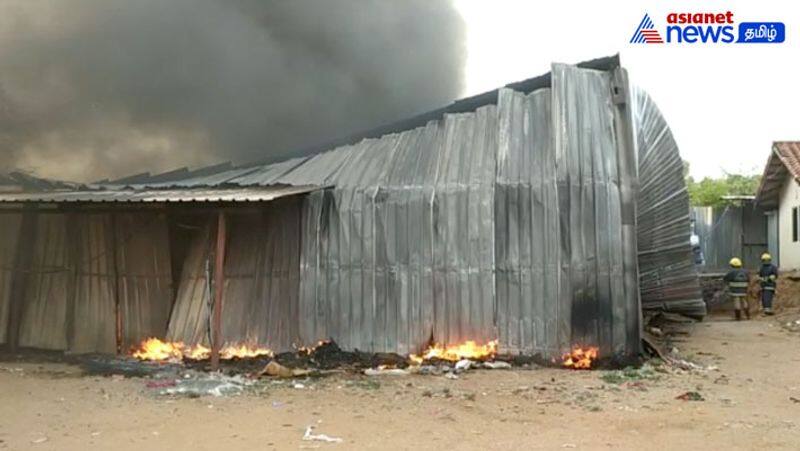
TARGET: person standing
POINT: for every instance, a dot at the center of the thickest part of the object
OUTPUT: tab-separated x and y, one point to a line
737	280
768	276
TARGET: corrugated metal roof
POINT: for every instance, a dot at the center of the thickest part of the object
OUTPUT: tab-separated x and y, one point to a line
784	160
158	196
269	172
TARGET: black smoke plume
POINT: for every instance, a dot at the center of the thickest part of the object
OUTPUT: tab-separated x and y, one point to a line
97	88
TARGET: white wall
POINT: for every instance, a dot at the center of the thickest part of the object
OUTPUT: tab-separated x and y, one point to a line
789	252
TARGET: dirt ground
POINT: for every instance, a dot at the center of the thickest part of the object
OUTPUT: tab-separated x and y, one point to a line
751	401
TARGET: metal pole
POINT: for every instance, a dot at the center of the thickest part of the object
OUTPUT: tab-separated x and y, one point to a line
219	281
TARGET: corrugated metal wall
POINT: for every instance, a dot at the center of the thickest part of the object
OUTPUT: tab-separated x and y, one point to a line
402	250
527	229
604	312
189	321
91	309
44	309
667	273
80	263
731	231
144	275
262	270
9	236
476	227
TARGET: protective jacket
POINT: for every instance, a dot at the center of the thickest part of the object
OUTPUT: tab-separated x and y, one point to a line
768	275
737	282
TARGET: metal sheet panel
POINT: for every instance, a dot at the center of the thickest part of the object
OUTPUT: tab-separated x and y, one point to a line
144	275
588	178
189	321
9	233
403	247
262	271
44	316
527	232
262	277
667	273
92	324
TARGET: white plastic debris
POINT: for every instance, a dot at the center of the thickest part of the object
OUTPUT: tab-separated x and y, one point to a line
386	372
497	365
310	437
464	365
201	384
451	376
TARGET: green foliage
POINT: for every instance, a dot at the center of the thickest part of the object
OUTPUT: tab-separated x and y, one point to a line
709	192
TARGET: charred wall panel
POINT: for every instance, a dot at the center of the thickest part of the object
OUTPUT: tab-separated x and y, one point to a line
403	247
9	236
527	235
590	193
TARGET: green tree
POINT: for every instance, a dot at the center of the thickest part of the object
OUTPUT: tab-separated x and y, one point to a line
709	191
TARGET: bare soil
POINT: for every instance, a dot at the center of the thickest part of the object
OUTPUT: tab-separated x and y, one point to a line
749	403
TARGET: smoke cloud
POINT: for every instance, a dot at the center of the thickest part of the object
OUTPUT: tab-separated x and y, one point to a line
105	88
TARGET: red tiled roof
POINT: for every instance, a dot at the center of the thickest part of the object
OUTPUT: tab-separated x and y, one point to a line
784	160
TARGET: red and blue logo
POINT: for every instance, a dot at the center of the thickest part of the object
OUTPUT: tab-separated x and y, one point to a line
708	28
646	32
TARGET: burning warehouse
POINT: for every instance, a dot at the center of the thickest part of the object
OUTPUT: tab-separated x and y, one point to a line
542	215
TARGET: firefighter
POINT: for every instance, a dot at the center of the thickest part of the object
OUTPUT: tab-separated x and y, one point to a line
737	280
768	275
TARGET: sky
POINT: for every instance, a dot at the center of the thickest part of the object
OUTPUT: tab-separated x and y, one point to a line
725	104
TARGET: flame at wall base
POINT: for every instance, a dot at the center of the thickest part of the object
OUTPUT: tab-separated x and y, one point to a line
155	350
580	358
467	350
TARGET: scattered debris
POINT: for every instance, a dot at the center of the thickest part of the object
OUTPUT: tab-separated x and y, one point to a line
497	365
463	365
161	383
690	396
630	374
386	372
196	384
111	366
309	437
275	369
39	440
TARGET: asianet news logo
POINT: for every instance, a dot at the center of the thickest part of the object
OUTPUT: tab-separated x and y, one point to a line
708	28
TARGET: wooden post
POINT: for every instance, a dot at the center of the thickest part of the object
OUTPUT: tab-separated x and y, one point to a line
219	285
117	278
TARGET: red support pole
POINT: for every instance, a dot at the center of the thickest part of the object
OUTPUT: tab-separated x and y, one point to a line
219	282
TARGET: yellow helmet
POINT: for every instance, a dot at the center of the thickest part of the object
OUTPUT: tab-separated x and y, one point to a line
736	263
765	257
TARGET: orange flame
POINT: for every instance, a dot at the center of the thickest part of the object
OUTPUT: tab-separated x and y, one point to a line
580	358
156	350
467	350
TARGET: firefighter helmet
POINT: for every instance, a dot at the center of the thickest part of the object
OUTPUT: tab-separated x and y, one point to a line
736	263
765	257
